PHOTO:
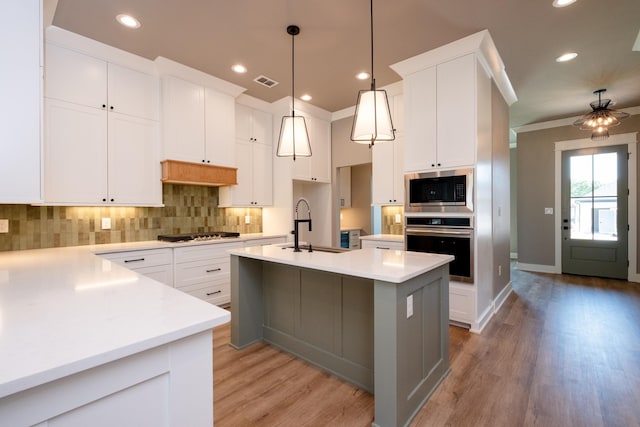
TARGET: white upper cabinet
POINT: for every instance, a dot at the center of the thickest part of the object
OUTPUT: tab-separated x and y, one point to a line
198	123
388	172
101	132
21	91
254	161
442	126
316	168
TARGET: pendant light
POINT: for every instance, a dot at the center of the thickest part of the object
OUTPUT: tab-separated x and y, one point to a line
601	118
294	138
372	121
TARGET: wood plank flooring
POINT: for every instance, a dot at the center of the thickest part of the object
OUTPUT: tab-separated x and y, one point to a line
563	351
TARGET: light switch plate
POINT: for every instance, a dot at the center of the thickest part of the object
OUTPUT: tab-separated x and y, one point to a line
4	225
398	218
409	306
548	211
247	219
106	223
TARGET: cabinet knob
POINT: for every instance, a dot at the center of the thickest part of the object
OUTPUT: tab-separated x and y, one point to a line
433	165
104	200
112	200
104	105
439	164
203	160
111	107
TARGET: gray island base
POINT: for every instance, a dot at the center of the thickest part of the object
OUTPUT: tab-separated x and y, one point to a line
378	319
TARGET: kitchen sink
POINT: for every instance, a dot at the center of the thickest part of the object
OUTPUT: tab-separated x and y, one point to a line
305	248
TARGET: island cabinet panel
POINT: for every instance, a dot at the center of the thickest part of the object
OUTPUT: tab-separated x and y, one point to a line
281	292
320	310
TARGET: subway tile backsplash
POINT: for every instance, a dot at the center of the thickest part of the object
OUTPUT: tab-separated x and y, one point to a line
186	209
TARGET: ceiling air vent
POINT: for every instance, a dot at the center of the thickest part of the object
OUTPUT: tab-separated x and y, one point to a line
265	81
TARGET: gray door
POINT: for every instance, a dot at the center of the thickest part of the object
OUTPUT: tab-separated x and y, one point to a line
594	212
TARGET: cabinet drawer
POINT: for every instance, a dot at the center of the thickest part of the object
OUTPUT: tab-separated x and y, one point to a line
381	244
204	252
265	241
191	272
216	293
161	273
136	260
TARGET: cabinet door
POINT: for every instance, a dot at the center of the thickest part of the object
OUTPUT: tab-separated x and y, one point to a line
133	92
242	194
456	116
75	77
420	125
344	181
243	122
320	135
398	169
21	89
75	157
183	121
134	164
262	175
262	127
382	173
219	128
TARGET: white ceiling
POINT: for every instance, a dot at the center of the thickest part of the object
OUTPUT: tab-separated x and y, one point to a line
333	45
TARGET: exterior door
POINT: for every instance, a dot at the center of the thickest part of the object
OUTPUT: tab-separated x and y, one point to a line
594	212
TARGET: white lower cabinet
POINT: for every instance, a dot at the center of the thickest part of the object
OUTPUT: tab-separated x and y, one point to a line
154	263
461	302
382	244
265	241
203	271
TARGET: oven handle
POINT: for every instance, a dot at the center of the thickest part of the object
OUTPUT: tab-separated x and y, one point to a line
439	232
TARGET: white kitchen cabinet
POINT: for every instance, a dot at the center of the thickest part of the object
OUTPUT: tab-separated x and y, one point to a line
204	271
21	89
263	241
101	132
154	263
198	123
254	161
443	125
382	244
388	172
316	168
344	187
93	157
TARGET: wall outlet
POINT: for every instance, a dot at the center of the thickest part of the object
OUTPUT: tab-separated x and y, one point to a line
409	306
4	225
106	223
548	211
247	219
499	270
398	218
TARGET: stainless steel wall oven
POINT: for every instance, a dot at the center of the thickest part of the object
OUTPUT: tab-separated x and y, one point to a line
444	235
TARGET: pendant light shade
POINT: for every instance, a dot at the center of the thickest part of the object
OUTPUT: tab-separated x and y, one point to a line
294	138
372	121
601	118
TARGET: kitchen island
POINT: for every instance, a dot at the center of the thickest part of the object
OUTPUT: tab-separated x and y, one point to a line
376	318
88	342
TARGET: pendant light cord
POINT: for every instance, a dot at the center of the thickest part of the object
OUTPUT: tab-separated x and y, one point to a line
373	80
293	73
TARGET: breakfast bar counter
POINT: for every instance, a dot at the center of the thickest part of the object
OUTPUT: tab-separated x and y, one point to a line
376	318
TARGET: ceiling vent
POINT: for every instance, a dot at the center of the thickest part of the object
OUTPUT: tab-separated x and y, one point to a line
265	81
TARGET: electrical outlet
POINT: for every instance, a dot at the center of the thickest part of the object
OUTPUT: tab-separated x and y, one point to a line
398	218
548	211
247	219
106	223
409	306
4	225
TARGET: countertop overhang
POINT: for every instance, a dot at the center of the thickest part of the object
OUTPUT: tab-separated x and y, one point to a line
378	264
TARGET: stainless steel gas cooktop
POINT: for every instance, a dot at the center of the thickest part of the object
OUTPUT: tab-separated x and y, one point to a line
187	237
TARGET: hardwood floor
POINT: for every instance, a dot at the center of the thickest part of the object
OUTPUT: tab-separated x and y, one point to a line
563	351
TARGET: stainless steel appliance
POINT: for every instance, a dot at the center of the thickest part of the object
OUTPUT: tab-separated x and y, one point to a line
439	191
187	237
444	235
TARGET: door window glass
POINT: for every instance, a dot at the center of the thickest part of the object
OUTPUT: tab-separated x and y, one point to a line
594	200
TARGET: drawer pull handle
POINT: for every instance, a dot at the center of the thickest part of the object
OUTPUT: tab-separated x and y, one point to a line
215	269
382	247
134	260
213	293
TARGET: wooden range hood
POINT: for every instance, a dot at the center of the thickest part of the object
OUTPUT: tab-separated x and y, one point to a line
177	172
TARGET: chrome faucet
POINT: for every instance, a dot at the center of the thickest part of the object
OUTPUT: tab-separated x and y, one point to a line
296	245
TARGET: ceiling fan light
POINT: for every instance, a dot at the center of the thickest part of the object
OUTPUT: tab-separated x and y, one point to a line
601	118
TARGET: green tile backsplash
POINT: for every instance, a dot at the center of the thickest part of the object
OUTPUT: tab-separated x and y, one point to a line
389	225
187	209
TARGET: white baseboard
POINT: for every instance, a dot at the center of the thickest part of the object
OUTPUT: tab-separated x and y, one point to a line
537	268
482	321
502	297
634	278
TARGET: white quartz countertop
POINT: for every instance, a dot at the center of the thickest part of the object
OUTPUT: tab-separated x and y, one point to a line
384	237
65	310
378	264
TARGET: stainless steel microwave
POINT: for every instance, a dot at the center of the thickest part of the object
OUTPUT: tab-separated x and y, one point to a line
439	191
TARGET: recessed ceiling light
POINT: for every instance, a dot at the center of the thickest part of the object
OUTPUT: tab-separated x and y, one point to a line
363	75
566	57
239	68
562	3
128	21
306	97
